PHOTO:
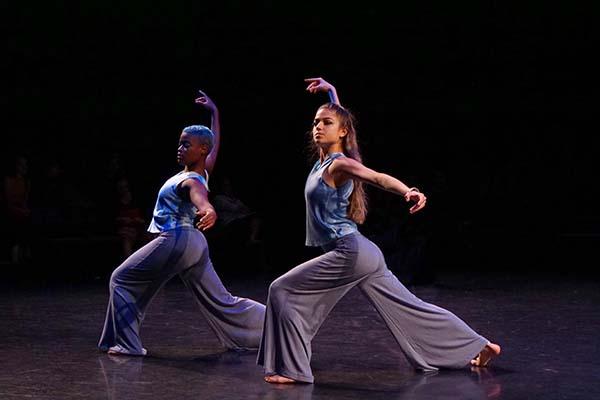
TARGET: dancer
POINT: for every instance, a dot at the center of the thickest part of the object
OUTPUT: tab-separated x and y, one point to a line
300	300
180	249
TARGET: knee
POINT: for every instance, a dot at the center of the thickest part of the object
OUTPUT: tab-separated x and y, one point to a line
278	291
276	287
116	279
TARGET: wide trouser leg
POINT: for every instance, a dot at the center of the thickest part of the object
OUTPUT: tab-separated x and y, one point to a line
134	284
431	337
236	321
298	303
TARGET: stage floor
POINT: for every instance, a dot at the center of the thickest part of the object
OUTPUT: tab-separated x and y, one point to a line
549	331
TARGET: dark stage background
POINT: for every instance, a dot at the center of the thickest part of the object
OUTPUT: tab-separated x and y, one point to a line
485	107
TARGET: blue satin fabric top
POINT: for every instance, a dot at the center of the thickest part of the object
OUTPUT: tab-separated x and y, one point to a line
171	210
326	207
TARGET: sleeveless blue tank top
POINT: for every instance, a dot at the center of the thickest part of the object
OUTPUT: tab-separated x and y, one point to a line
171	210
326	207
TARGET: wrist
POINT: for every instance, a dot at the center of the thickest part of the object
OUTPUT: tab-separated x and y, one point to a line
411	189
332	95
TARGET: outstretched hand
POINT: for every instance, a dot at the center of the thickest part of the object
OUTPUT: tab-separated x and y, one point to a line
318	85
207	219
419	198
205	101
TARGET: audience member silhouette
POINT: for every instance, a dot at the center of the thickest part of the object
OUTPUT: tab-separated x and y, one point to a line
17	187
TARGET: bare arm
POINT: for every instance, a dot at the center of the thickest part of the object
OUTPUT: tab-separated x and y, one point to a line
321	85
199	198
215	127
345	168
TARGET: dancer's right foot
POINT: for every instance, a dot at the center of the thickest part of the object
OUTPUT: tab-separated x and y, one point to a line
278	379
490	351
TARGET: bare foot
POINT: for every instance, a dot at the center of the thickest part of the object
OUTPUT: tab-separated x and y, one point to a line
490	351
278	379
117	350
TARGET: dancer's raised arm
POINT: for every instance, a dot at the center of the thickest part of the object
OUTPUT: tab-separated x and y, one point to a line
321	85
215	127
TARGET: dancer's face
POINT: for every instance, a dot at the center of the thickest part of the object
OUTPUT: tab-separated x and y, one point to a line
191	149
326	128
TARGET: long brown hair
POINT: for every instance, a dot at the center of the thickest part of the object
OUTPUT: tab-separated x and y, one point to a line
358	199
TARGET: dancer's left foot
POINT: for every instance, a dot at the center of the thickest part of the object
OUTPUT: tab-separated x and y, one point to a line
117	350
490	351
278	379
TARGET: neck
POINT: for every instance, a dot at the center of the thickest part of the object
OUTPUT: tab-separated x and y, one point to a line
324	152
198	167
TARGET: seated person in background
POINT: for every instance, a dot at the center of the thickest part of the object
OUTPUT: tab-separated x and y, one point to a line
129	220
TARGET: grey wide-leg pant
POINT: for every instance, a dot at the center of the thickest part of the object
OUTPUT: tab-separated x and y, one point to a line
236	321
300	300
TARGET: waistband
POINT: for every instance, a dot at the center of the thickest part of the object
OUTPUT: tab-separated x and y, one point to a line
340	241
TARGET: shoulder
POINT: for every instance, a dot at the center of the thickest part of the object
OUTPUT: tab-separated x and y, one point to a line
343	163
192	179
194	176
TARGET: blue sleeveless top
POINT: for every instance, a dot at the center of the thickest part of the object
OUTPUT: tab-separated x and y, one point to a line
171	210
326	207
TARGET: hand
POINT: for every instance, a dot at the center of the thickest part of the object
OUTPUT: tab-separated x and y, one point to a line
207	219
419	198
206	102
318	85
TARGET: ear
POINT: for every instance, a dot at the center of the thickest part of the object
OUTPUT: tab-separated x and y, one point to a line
205	149
343	132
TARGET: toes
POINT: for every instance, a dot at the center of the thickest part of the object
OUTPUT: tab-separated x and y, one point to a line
278	379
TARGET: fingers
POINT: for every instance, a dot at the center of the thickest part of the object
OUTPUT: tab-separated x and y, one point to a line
420	199
205	102
312	87
207	221
206	225
315	84
203	99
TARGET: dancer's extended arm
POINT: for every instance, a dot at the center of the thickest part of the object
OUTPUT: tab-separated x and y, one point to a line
344	168
199	197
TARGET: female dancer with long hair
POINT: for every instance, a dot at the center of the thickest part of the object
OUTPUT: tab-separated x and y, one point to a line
180	249
300	300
